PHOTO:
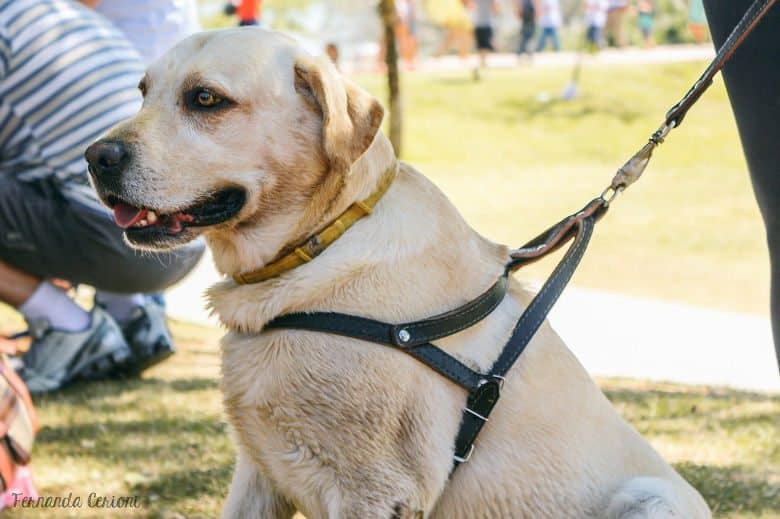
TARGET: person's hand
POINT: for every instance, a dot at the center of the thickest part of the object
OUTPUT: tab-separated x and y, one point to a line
7	346
62	284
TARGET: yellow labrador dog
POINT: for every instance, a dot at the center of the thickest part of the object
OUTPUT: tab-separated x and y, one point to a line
246	140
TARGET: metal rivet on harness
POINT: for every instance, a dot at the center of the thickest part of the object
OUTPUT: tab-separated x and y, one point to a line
404	336
473	412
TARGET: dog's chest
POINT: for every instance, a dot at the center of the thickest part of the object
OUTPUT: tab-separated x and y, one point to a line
299	401
303	387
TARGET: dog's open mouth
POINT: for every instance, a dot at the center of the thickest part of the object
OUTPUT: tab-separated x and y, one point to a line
216	209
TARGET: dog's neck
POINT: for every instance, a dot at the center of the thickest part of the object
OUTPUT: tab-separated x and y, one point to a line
259	245
394	265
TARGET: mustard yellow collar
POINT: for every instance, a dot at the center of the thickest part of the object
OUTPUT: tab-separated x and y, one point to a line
314	245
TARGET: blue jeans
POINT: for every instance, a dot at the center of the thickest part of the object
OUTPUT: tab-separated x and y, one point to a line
526	35
551	33
594	36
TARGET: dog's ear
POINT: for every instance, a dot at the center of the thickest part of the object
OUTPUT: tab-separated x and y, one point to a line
351	117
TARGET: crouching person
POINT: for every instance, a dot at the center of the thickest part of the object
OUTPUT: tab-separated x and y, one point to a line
67	76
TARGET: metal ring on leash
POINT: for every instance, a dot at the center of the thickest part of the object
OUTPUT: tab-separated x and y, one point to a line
610	193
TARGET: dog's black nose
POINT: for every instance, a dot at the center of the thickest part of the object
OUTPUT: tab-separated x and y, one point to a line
107	158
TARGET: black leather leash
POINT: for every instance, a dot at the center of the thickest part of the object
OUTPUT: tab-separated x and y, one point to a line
636	165
484	389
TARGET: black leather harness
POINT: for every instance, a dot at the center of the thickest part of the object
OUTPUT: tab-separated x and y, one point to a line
415	338
484	389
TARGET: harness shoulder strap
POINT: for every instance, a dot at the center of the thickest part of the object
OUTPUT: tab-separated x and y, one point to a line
544	300
482	401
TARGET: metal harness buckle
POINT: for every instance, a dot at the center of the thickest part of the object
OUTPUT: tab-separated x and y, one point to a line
468	456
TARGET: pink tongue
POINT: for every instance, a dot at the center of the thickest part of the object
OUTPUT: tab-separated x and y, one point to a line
126	215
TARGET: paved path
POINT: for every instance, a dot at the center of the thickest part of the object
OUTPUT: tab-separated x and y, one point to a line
616	335
627	56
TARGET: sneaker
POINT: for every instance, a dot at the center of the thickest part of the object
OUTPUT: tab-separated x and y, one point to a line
57	357
148	335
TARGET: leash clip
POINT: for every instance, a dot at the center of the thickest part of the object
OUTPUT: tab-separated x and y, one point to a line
633	169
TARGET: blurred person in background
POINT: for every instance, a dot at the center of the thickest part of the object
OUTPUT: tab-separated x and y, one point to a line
452	16
646	14
66	76
595	20
697	20
483	13
550	20
526	12
248	12
407	30
616	12
152	26
405	34
751	78
332	52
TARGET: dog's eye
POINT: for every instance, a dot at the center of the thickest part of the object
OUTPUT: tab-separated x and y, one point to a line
207	99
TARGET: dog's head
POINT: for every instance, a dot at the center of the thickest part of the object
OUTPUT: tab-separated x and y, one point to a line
238	129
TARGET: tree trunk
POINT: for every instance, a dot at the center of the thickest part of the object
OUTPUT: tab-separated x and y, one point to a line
389	19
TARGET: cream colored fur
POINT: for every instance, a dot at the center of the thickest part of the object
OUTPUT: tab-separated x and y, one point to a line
339	428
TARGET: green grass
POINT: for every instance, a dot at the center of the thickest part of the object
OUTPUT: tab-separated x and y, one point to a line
688	231
164	439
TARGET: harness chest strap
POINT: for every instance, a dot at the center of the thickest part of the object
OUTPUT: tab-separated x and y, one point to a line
413	338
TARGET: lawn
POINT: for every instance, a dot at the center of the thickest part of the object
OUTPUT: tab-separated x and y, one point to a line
689	231
164	440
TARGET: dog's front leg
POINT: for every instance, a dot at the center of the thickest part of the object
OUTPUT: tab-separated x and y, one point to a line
251	495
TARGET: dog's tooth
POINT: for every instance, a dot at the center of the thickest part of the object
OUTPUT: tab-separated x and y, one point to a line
151	216
143	223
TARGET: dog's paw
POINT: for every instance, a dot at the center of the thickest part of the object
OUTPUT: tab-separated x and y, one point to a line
402	511
653	498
